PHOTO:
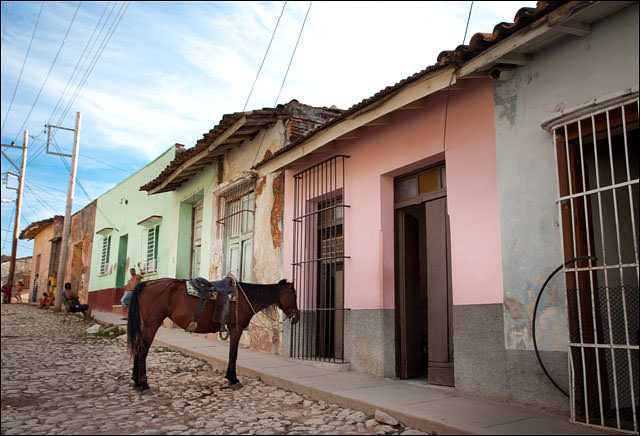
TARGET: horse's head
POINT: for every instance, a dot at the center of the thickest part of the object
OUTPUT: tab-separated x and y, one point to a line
288	301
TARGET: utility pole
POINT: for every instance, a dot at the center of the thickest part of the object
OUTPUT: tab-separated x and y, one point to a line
67	216
16	227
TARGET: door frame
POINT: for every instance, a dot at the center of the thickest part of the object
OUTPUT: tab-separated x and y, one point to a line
403	367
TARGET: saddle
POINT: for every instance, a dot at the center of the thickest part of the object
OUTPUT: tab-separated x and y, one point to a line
223	291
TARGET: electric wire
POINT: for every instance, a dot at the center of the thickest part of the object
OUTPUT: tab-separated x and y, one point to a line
73	74
40	200
22	69
13	212
265	57
293	54
64	39
105	42
6	17
94	61
455	70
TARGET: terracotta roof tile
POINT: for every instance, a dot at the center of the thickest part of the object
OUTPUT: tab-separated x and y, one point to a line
304	118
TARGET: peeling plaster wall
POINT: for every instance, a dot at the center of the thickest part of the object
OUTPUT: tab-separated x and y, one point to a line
42	248
569	73
267	257
78	267
265	332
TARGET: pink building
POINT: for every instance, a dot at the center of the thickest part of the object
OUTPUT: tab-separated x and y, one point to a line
420	224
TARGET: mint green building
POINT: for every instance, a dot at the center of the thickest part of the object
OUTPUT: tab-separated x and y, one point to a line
128	233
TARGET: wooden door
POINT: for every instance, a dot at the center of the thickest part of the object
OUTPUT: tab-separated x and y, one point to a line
196	239
122	261
439	322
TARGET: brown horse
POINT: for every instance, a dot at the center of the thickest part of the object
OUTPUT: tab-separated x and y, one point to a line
155	300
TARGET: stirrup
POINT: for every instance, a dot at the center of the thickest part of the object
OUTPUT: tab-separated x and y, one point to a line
225	329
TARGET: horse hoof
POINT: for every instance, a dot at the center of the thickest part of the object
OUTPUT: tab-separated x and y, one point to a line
235	386
142	386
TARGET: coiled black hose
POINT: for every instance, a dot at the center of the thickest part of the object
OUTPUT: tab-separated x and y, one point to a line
535	310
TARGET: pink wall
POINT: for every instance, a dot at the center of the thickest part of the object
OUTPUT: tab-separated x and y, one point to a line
410	141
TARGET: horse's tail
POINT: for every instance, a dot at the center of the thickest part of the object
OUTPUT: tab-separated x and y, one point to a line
134	323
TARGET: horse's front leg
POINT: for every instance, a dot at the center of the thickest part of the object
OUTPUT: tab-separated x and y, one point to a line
233	355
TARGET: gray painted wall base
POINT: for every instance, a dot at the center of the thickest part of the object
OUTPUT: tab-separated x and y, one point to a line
483	367
369	341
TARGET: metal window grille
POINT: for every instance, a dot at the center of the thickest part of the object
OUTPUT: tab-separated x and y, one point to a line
104	258
151	249
597	168
318	261
235	210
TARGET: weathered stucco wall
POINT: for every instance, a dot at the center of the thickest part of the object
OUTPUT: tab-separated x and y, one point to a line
569	73
41	258
81	233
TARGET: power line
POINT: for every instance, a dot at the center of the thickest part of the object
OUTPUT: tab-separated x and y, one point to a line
128	171
22	69
6	17
292	54
13	212
265	57
64	39
446	107
75	69
114	26
41	201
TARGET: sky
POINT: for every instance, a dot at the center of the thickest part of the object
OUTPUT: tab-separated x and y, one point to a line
146	75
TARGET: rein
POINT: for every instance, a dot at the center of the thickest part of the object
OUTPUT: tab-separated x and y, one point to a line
237	285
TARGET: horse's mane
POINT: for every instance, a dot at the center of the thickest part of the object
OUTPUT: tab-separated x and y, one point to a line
262	295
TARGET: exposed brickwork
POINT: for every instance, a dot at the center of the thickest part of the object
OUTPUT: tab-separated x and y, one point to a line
276	210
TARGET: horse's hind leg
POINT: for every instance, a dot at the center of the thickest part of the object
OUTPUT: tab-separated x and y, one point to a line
141	364
233	355
140	360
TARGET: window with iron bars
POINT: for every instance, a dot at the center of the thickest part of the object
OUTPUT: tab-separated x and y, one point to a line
150	249
318	261
104	256
597	164
236	209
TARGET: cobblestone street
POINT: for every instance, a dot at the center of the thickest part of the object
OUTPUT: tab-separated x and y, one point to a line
59	379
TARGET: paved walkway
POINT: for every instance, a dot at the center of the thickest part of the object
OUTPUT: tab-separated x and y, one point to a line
428	408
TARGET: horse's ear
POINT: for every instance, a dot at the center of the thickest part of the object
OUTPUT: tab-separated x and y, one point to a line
282	282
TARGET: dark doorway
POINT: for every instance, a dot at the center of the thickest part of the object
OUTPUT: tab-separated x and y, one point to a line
424	346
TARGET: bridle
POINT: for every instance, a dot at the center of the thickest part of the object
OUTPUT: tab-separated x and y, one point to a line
237	286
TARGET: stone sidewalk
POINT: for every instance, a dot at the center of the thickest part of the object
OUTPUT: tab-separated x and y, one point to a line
424	407
58	379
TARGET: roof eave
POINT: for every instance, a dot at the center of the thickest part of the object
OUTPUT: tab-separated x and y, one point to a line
550	24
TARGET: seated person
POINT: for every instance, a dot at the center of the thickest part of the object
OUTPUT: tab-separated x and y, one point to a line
19	288
73	304
46	300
